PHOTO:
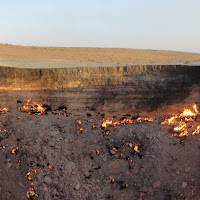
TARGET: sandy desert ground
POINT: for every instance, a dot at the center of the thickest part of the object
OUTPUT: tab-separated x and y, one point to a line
58	57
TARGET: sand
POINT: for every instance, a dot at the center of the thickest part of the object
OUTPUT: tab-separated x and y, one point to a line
59	57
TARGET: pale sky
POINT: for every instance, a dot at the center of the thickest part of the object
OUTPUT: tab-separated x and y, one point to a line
139	24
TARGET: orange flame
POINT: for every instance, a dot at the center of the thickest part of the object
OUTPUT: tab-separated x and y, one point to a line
3	109
124	121
140	119
31	193
179	122
196	131
136	148
32	107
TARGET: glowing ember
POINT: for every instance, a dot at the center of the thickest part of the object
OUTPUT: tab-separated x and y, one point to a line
31	193
114	149
49	166
124	121
14	150
33	108
182	124
3	109
79	121
107	122
130	144
140	119
106	132
136	149
97	152
196	131
112	179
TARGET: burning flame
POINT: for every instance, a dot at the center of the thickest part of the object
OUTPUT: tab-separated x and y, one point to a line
3	109
49	166
140	119
196	131
107	122
79	121
124	121
33	108
182	123
13	149
31	193
136	149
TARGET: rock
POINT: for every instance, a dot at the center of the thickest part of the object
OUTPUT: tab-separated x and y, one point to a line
86	174
77	186
52	143
66	152
114	164
104	158
47	179
95	166
142	169
187	169
58	146
177	172
184	185
9	165
112	152
143	189
22	185
156	184
70	166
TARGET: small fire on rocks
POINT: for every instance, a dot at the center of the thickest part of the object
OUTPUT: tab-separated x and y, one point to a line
185	123
33	108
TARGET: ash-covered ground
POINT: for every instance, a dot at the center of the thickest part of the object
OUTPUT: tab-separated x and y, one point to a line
61	155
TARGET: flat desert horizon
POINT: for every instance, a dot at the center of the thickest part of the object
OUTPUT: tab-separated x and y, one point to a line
61	57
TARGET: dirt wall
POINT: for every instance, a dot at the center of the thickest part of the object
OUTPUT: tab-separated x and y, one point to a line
29	79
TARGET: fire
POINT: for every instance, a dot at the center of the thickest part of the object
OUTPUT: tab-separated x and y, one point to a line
182	124
140	119
14	150
136	149
112	180
79	121
130	144
124	121
107	122
49	166
31	193
3	109
196	131
107	132
97	152
33	108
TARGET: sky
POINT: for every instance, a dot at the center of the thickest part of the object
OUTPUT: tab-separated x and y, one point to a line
138	24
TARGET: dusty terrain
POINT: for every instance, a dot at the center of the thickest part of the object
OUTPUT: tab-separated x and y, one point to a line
110	128
57	57
60	154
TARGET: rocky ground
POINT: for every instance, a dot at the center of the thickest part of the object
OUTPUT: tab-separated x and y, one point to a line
58	154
